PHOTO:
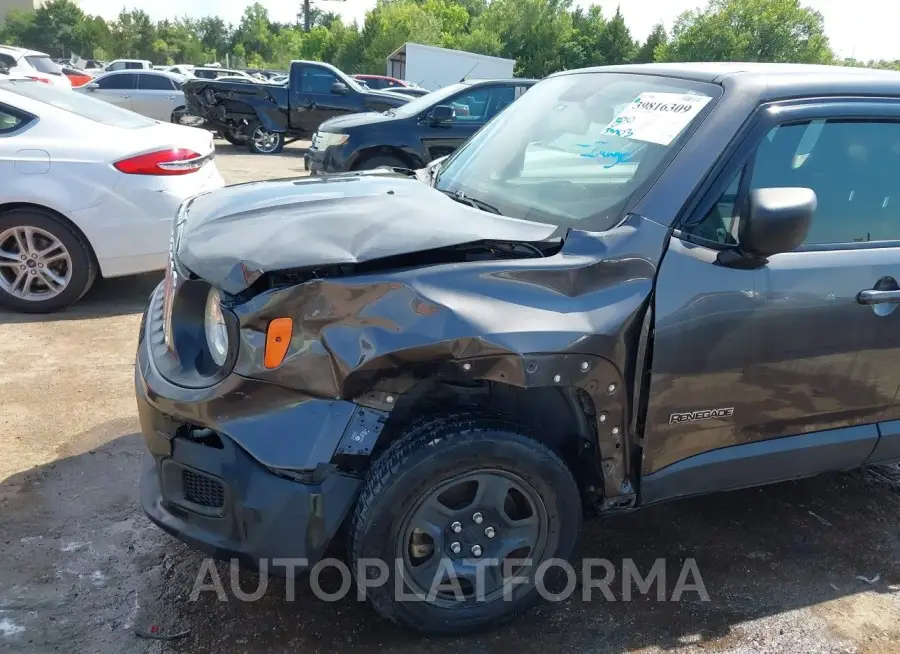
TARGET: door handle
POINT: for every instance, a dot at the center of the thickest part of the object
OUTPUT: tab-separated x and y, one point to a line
171	97
126	97
878	297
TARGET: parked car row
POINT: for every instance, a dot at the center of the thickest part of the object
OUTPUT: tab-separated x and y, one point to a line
266	116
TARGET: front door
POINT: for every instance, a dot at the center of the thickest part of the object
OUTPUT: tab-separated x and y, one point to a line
799	346
116	89
313	101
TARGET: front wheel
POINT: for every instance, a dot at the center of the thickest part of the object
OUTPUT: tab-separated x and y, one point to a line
462	510
45	265
262	141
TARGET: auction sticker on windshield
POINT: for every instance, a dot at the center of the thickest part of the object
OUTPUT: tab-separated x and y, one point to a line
656	117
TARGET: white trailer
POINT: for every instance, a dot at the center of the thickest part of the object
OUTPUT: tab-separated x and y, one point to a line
433	68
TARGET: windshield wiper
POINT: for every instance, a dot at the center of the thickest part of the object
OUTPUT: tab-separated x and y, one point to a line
472	202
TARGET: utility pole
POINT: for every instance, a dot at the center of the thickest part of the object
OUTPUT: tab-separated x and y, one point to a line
307	15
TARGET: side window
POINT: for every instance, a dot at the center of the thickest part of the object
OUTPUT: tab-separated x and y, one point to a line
117	82
473	106
849	164
155	83
500	99
7	62
133	65
10	120
317	80
119	65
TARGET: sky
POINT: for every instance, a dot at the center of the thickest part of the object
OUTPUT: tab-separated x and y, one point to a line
866	29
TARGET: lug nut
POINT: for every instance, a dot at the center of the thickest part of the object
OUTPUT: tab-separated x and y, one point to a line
602	417
489	532
615	431
585	365
557	379
22	267
456	548
23	257
478	518
476	550
456	527
611	388
40	265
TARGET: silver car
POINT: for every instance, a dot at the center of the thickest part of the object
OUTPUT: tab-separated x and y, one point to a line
152	93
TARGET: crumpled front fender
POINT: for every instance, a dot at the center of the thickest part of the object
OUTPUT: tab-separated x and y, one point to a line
572	319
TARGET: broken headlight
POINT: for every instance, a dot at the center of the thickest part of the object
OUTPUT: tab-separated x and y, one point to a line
216	329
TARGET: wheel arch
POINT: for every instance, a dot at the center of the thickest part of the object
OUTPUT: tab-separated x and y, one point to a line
365	154
7	207
575	404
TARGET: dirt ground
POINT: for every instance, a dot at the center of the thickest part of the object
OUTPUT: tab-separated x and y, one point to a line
81	568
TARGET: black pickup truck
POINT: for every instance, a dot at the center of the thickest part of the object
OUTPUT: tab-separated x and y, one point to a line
265	116
635	284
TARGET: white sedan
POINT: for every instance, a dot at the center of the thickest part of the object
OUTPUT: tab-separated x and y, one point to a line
152	93
87	189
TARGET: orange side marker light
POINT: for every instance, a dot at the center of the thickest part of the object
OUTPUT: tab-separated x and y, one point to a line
278	338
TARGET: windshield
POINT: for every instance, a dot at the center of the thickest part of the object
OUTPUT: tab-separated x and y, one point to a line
354	84
427	101
572	151
77	103
43	64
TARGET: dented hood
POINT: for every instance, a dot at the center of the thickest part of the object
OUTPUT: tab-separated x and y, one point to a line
231	236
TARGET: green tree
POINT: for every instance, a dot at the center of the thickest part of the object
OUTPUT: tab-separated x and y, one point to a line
533	32
391	24
749	30
582	49
647	52
133	35
254	33
615	43
214	34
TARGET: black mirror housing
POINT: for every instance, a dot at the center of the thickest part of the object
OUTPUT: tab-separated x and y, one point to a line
776	220
442	114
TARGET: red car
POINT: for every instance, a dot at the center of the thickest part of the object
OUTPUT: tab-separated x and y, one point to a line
380	82
77	76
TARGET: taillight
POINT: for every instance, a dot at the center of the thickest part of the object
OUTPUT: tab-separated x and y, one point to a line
39	79
177	161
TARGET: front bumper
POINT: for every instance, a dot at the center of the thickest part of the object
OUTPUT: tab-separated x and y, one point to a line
214	475
330	160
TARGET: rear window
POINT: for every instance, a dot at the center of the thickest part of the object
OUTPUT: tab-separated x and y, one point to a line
77	103
43	65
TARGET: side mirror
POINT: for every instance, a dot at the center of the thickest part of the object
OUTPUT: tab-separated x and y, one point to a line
777	220
443	114
339	88
93	86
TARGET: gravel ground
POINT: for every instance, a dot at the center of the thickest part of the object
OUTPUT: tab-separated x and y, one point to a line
81	568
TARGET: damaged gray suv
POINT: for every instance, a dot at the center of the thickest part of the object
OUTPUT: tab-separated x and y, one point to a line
636	284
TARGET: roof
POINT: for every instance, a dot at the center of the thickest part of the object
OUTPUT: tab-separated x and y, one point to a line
21	52
402	50
144	71
508	80
769	80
